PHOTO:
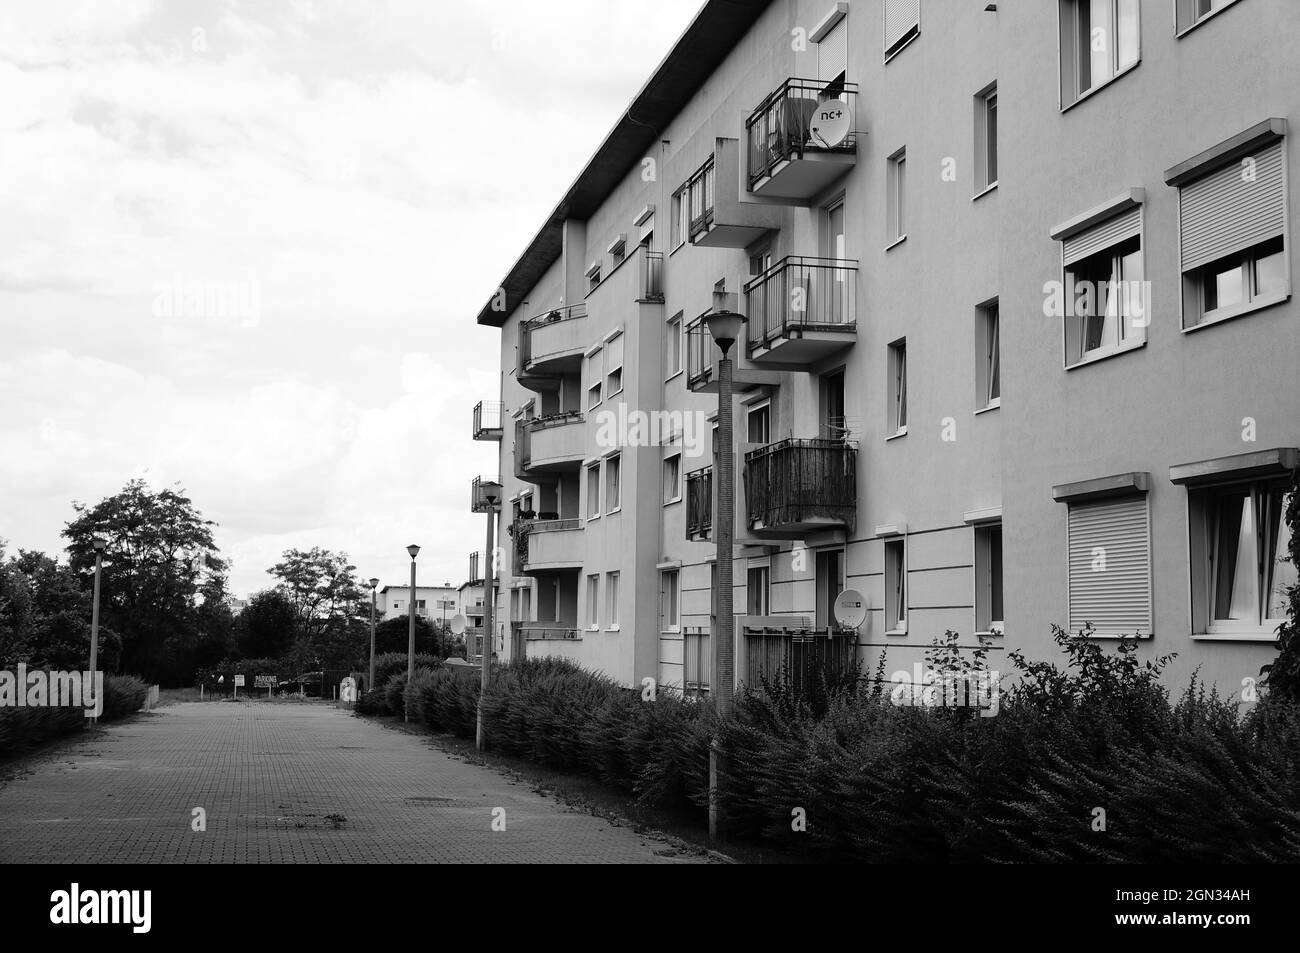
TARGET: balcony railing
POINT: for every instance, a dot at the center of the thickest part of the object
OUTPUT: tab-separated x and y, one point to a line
805	658
798	295
475	568
521	529
546	631
476	502
488	419
538	343
523	448
701	352
801	117
537	438
699	503
699	198
801	483
652	276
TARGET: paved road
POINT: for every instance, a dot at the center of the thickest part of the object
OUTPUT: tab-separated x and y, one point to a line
285	783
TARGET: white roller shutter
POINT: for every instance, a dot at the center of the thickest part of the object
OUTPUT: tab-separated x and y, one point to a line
901	18
1228	211
1102	235
1110	566
833	52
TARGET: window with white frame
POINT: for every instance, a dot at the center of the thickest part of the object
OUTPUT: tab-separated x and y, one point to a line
989	613
758	423
1109	566
895	192
986	139
1192	12
613	477
758	590
611	598
672	478
593	601
1099	40
614	366
895	586
897	377
1240	566
1104	296
681	220
697	664
669	600
988	371
1232	213
673	346
593	491
902	24
595	378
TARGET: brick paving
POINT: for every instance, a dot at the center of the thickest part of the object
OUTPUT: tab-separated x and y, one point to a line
287	783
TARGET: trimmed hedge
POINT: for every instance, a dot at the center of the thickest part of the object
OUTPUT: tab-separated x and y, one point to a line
24	729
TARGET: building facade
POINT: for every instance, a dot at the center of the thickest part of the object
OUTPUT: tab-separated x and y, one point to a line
1002	368
431	602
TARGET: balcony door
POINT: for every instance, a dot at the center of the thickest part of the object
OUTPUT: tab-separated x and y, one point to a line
835	309
830	583
833	425
765	313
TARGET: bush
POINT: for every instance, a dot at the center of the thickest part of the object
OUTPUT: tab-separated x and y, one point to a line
24	729
389	664
123	695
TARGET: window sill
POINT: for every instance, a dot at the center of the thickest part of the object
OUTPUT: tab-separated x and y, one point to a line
1227	314
991	187
992	633
676	248
614	628
900	432
612	394
890	54
617	509
674	375
902	631
1084	97
592	519
994	404
593	628
1209	16
896	242
1257	635
671	630
676	499
1103	355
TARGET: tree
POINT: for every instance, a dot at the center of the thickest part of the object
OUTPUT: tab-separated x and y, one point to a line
45	616
160	556
393	635
332	617
1282	675
268	626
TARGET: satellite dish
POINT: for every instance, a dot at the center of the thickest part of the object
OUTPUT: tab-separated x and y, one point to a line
458	624
850	609
831	123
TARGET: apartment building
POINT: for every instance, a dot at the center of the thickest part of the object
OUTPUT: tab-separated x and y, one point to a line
1003	366
431	602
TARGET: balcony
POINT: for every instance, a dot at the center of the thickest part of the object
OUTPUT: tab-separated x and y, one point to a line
476	567
477	502
546	632
551	345
778	647
550	444
800	486
702	357
801	310
802	138
650	268
718	218
545	545
487	420
699	503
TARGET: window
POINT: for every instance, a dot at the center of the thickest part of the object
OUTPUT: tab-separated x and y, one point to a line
669	621
593	491
1105	303
1192	12
895	184
902	24
613	498
397	605
1109	564
895	586
1232	220
594	375
611	598
681	218
1240	539
618	249
758	590
1099	40
672	478
758	422
697	665
593	601
419	605
989	613
593	276
614	366
673	342
988	372
898	387
986	140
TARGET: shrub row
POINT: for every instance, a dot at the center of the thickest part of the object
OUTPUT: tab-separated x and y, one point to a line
23	729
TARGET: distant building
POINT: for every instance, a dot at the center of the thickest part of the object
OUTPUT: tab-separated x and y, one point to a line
431	602
236	606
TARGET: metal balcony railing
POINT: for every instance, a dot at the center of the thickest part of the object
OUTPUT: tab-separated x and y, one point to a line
652	276
488	419
545	631
801	480
699	503
788	124
801	294
699	198
805	658
476	503
701	352
475	568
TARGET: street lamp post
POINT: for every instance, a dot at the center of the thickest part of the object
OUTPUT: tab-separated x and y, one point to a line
370	683
100	544
442	636
724	325
414	550
489	492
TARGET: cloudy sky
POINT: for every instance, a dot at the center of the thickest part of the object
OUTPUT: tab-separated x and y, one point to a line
243	246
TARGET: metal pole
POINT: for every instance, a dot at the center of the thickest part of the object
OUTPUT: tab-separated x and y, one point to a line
410	637
370	682
485	637
724	520
94	625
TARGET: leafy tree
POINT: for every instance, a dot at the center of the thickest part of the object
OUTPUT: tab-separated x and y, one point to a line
45	616
268	626
392	635
1282	675
322	586
160	558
